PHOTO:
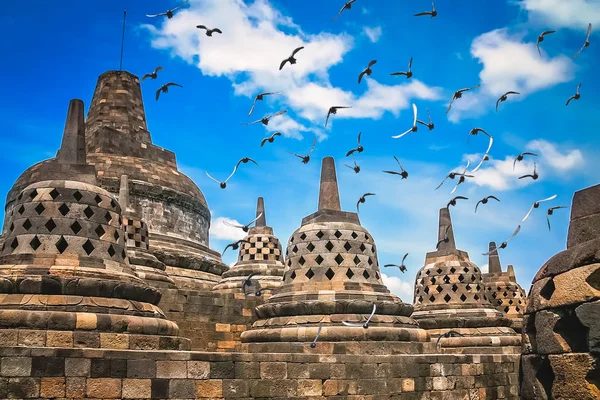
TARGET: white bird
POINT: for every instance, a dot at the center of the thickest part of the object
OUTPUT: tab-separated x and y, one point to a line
587	40
536	205
576	96
168	13
259	97
366	323
540	39
223	184
246	227
313	344
463	176
414	127
505	243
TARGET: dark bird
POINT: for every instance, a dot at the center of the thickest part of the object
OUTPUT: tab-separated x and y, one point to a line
462	177
234	245
533	176
430	125
505	243
248	282
587	40
366	323
165	88
347	6
265	120
246	227
367	70
209	32
432	13
408	72
402	172
363	199
485	157
475	131
550	212
576	96
245	160
453	201
520	157
152	75
259	97
291	59
356	168
359	149
453	175
458	94
536	205
485	201
223	184
168	13
448	334
540	39
503	98
414	127
314	342
305	159
401	266
333	110
445	239
269	139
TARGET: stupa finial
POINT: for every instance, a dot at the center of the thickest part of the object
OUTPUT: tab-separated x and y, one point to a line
445	230
260	209
329	196
494	260
72	149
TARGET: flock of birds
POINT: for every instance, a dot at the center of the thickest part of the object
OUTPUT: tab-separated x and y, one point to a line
462	175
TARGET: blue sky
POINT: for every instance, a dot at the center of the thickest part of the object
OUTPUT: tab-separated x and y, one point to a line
56	53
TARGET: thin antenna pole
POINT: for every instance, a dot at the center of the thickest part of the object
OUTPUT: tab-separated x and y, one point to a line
123	40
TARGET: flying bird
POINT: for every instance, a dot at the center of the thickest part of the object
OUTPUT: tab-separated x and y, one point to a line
475	131
540	39
462	177
209	32
168	13
448	334
367	70
234	245
248	282
246	227
576	96
505	243
550	212
366	323
346	6
269	139
265	120
485	157
152	75
533	176
408	72
305	159
520	157
587	40
356	168
314	342
429	125
359	149
245	160
536	205
223	184
453	201
482	201
445	239
260	97
362	200
458	94
432	13
453	175
333	110
403	172
413	128
165	88
291	59
503	98
401	266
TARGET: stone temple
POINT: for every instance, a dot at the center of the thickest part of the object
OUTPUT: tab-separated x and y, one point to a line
109	289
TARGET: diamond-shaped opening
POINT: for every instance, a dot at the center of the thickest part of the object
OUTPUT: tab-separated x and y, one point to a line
439	289
504	294
433	280
123	254
320	234
366	274
113	204
329	274
377	275
362	247
61	244
461	278
347	246
293	275
463	297
14	244
426	290
21	209
494	295
63	209
108	216
98	199
88	212
447	298
40	208
111	250
20	196
367	237
33	194
88	247
466	269
478	288
310	247
116	235
446	279
420	299
78	196
476	297
75	227
301	260
510	302
506	309
120	220
356	260
349	273
476	270
473	279
354	235
338	234
329	246
339	259
427	272
452	270
439	270
295	249
100	231
432	298
309	274
35	243
303	236
369	261
454	288
11	227
50	225
54	194
468	287
319	259
27	224
517	309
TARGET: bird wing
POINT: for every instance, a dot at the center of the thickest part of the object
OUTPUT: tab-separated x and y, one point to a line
440	185
262	142
576	54
511	92
252	108
479	165
489	145
548	199
350	152
247	159
253	122
497	102
371	63
514	233
201	27
398	161
526	176
391	265
493	197
313	146
398	73
548	219
589	32
528	213
404	258
276	134
359	133
283	63
360	76
338	14
207	174
372	313
327	119
368	194
455	187
358	204
270	93
297	50
156	15
423	13
402	134
181	5
352	324
296	154
173	84
146	76
527	153
276	114
226	247
318	334
414	107
477	205
450	105
232	225
158	93
515	162
547	33
392	172
410	63
461	198
217	30
232	172
557	207
349	166
538	47
159	68
568	101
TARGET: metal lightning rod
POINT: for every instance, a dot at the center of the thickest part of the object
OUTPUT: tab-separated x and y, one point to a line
123	40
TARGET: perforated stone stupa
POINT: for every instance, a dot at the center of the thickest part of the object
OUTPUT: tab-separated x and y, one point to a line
261	254
450	295
332	275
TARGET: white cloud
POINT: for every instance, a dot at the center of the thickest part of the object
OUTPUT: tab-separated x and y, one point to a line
219	230
373	33
485	268
558	161
574	14
400	288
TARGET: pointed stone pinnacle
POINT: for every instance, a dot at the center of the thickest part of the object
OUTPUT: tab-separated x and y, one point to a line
72	148
329	196
445	221
494	266
124	193
260	208
511	273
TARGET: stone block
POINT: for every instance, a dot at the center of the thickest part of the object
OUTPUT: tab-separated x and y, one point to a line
273	370
159	388
52	387
571	374
310	387
212	388
137	388
247	370
105	388
9	337
235	388
223	328
141	369
47	366
182	389
15	366
75	387
222	370
442	383
78	366
589	315
171	369
59	339
29	338
408	385
23	388
198	369
114	341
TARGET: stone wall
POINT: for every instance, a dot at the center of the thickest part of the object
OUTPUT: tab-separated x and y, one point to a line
78	373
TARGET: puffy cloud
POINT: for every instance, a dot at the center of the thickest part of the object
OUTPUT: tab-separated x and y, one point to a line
575	14
557	160
219	230
373	33
400	288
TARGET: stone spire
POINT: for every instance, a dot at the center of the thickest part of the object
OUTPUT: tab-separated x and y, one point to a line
260	209
511	273
124	192
445	221
494	260
72	148
329	196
